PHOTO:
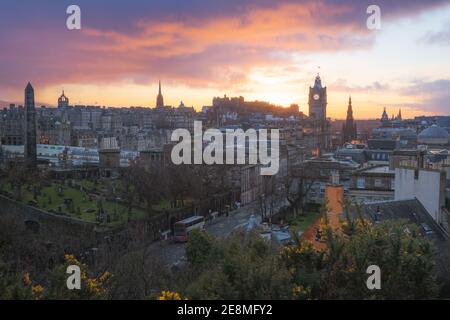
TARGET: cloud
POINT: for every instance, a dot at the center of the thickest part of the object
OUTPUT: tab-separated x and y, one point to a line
196	43
341	85
439	38
429	96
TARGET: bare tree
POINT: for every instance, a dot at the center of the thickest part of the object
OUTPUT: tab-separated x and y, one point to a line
180	183
297	185
267	197
128	191
19	175
151	187
138	275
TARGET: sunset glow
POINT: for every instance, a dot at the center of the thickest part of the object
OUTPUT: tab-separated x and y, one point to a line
263	50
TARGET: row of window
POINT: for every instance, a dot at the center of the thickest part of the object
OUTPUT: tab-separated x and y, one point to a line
379	156
378	183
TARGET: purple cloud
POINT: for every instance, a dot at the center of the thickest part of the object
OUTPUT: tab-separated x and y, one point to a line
196	42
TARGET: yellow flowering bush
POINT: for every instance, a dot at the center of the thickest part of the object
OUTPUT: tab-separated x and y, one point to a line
169	295
37	291
70	259
300	292
296	256
91	287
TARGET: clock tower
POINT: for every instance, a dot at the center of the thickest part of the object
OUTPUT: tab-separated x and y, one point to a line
318	122
318	101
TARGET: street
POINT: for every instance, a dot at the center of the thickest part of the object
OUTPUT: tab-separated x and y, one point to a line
174	253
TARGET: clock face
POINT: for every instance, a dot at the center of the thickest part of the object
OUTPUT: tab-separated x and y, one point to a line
316	97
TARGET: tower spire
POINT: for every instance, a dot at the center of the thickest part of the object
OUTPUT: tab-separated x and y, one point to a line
349	132
160	98
350	109
30	127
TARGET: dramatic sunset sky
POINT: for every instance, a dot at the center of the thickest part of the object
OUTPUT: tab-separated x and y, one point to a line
261	49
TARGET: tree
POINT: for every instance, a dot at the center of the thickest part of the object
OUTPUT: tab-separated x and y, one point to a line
180	181
128	189
137	275
207	184
92	288
19	175
306	178
339	272
200	249
267	197
21	286
240	267
150	186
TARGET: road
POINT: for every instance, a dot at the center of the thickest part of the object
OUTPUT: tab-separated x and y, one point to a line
174	253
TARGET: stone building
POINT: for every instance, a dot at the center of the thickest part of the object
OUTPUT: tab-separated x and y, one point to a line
53	131
318	101
317	172
434	136
12	125
63	101
109	157
318	121
428	186
372	184
250	183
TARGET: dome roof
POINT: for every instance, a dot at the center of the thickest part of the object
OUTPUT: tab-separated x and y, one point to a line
434	134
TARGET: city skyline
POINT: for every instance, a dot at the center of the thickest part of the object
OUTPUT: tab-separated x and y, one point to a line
262	51
226	150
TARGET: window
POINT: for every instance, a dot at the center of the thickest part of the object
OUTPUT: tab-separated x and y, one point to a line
393	184
360	183
378	182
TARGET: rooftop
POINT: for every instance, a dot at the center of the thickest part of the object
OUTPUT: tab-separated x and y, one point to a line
378	169
411	210
434	135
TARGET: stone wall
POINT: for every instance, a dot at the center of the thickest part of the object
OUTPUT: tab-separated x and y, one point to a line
72	234
77	236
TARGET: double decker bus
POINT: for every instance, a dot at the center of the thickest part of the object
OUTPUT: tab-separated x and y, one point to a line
184	227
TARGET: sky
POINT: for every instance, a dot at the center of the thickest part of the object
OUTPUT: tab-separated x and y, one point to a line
261	49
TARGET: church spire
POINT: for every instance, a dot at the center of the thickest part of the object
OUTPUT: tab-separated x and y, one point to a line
350	109
160	98
349	131
318	82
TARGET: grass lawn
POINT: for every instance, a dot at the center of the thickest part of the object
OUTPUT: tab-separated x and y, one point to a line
302	222
84	207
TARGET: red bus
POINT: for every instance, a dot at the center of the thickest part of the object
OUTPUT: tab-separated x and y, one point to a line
184	227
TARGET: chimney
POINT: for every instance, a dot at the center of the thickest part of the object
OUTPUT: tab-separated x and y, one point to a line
335	177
